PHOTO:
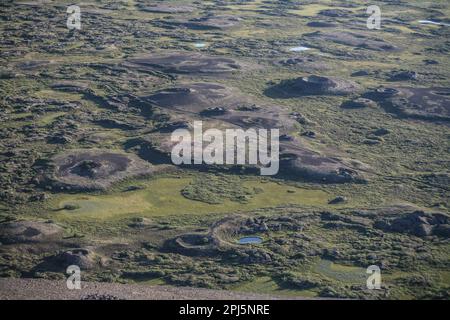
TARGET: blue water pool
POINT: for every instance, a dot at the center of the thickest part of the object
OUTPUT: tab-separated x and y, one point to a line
199	45
250	240
434	22
299	49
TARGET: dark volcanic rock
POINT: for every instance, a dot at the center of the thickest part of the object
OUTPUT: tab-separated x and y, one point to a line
196	97
418	103
95	169
309	134
230	106
172	126
430	62
335	13
321	24
83	258
165	8
185	63
97	296
313	167
382	93
221	102
442	230
354	40
337	200
194	244
360	73
381	132
313	85
70	86
29	231
417	223
252	256
211	22
359	103
213	111
307	64
116	124
33	64
403	75
59	139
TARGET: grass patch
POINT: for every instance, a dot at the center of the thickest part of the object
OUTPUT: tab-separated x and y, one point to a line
163	196
339	272
217	189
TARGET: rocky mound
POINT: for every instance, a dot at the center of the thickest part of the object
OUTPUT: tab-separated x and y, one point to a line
382	93
185	63
165	8
403	75
336	13
307	64
220	240
230	107
95	169
359	103
29	232
418	223
418	103
313	85
321	24
196	97
70	86
313	167
33	64
217	101
83	258
192	244
211	22
356	40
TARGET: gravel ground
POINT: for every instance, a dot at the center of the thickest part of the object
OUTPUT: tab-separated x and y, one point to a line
40	289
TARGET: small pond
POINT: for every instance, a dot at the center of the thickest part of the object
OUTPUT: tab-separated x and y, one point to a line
434	22
299	49
250	240
199	45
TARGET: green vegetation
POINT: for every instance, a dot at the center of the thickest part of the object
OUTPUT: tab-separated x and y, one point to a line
216	189
167	196
79	90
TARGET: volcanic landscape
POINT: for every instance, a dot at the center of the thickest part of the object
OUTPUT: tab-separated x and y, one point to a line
86	176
